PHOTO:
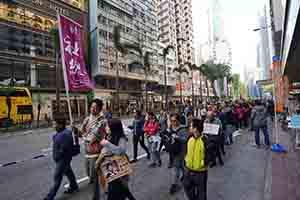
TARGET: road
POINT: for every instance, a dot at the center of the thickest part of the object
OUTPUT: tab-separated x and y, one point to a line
32	178
242	177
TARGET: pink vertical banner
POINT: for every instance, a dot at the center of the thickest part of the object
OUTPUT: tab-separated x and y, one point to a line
75	74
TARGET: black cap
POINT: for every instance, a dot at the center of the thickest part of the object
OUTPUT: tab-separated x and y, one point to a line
60	118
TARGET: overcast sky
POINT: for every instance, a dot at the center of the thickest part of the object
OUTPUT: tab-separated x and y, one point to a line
240	18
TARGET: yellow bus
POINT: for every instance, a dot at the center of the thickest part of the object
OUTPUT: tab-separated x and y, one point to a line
15	105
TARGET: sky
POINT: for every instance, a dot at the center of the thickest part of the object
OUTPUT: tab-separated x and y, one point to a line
240	18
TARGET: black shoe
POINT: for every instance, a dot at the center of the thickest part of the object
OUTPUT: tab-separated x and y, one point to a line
148	157
222	163
133	161
159	163
174	188
170	165
71	190
152	165
212	164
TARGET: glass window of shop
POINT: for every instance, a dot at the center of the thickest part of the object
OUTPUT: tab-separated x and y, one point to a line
25	42
14	73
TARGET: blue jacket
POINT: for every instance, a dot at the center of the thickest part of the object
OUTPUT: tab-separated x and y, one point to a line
62	145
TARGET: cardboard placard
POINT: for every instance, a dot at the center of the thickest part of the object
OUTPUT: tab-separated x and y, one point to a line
211	129
115	167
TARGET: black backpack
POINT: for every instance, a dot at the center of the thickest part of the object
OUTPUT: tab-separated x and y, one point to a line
210	150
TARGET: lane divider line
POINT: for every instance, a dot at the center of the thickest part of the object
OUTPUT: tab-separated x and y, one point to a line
20	161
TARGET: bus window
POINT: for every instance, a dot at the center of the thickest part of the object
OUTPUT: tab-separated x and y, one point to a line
19	93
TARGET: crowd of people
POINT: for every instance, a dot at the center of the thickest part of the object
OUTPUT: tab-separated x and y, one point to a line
191	151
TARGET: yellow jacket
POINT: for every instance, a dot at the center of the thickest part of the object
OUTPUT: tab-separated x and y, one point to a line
194	158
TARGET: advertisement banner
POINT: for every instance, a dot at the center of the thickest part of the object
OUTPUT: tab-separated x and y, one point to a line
75	74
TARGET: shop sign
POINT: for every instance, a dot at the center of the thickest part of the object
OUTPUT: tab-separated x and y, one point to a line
46	5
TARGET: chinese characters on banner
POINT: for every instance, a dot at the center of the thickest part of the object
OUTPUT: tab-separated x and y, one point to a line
75	74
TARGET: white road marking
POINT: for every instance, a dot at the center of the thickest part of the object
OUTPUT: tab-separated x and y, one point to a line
87	178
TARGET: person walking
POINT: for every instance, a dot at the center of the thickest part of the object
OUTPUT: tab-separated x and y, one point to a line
151	128
163	124
228	124
137	128
92	131
177	148
115	143
217	139
62	156
259	116
195	175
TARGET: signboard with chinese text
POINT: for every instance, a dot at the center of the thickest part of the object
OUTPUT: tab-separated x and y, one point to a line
75	73
211	129
114	167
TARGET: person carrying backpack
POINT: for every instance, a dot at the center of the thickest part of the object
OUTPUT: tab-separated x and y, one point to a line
259	116
196	166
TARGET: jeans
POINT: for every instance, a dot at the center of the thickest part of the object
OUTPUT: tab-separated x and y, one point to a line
136	140
117	190
228	134
266	135
153	146
62	168
195	185
92	174
178	168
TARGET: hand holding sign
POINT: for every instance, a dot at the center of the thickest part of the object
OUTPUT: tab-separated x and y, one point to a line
211	129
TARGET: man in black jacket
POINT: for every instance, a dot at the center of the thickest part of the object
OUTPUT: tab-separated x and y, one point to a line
62	155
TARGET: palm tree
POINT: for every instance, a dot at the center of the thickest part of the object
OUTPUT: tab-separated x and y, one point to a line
119	48
55	36
192	68
215	72
145	64
166	52
180	70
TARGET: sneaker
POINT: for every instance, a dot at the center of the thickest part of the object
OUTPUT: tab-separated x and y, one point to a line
71	190
256	146
152	165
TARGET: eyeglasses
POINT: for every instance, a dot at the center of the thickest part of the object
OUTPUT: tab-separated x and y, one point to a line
173	120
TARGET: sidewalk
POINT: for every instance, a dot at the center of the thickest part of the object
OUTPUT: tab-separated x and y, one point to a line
241	178
284	178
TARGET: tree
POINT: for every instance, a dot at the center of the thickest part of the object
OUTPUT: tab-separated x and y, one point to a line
55	37
192	68
180	70
166	52
146	66
119	48
214	72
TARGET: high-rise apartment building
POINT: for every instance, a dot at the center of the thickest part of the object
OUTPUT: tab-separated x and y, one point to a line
138	22
184	30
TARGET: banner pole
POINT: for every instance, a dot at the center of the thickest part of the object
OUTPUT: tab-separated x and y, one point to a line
65	75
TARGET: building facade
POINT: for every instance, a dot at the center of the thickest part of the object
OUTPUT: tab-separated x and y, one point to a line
138	22
27	54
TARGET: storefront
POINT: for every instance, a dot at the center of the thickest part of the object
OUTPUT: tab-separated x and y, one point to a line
27	54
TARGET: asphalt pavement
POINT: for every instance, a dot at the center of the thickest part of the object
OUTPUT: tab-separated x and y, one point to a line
242	177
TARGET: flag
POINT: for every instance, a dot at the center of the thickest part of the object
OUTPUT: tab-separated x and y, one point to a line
75	74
